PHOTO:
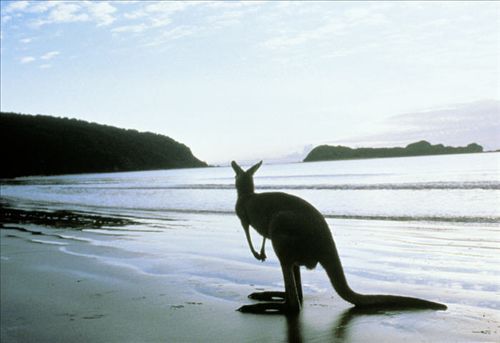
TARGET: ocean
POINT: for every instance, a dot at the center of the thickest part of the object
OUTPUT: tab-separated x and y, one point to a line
450	188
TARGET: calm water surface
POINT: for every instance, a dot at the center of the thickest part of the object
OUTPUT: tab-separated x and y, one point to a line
458	188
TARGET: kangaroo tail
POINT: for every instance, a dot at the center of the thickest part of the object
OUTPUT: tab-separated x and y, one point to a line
335	272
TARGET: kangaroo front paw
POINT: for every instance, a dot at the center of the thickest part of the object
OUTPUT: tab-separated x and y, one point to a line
262	256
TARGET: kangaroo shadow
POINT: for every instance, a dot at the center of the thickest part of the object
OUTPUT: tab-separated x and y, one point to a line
294	329
344	323
341	326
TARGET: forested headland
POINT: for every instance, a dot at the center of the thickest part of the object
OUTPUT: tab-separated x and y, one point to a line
45	145
421	148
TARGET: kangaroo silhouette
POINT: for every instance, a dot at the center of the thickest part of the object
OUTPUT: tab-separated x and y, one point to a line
300	237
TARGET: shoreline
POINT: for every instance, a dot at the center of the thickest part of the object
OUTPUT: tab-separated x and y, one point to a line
20	178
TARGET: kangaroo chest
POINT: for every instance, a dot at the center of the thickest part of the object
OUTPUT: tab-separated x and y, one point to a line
254	214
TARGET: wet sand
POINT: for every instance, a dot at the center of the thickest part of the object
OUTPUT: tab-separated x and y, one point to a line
183	281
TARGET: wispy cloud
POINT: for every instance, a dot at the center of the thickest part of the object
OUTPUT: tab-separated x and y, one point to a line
27	59
330	25
457	124
129	17
49	55
26	40
173	34
306	36
41	6
64	13
101	12
53	12
5	19
224	5
152	15
15	6
204	18
137	28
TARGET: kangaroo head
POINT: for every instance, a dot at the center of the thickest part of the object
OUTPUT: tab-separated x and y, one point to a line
244	179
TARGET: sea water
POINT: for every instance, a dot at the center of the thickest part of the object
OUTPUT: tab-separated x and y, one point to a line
450	188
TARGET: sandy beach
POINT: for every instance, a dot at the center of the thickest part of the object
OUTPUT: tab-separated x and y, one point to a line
140	283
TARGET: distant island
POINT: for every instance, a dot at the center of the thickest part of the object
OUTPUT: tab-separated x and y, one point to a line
421	148
45	145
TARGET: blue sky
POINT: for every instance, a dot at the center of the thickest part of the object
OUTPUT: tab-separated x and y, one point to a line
250	80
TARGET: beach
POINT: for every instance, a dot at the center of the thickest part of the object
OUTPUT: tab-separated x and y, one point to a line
161	256
87	286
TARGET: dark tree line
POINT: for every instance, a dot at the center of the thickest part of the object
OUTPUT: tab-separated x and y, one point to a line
328	153
45	145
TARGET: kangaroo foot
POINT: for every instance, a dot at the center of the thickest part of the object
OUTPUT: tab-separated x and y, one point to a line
268	296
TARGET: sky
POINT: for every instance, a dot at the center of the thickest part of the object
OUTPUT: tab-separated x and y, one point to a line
260	80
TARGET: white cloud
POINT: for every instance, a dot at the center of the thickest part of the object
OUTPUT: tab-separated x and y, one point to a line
458	124
41	6
50	55
364	15
5	19
26	40
101	12
227	18
67	12
129	28
16	6
334	27
160	22
329	25
154	15
158	11
134	15
64	13
173	34
167	7
53	12
27	59
45	66
233	4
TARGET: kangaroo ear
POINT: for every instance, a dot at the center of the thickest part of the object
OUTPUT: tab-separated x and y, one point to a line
237	169
254	168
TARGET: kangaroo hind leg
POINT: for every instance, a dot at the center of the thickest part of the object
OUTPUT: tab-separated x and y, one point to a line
287	236
279	295
291	303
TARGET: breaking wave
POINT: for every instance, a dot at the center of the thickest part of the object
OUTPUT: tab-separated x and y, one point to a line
484	185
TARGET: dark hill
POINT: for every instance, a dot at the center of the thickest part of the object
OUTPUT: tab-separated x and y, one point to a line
329	153
44	145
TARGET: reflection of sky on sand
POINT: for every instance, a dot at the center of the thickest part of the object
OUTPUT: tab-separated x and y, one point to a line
354	325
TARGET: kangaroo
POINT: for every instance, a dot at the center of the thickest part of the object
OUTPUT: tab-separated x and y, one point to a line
300	237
